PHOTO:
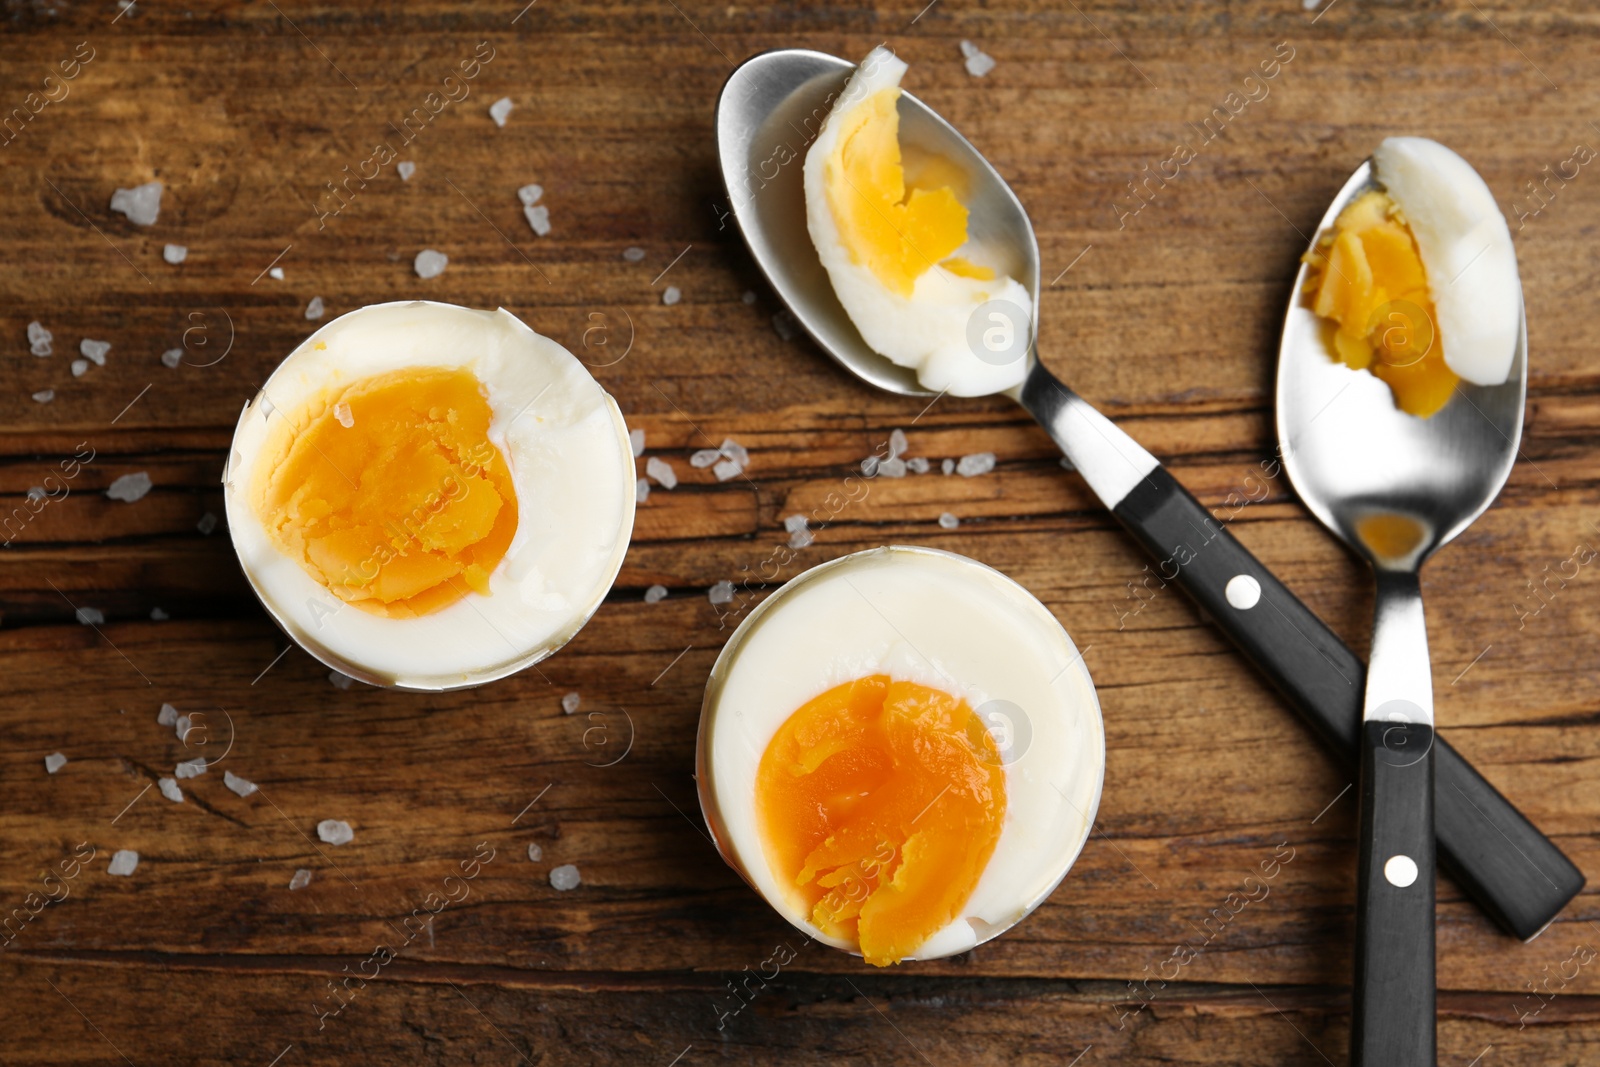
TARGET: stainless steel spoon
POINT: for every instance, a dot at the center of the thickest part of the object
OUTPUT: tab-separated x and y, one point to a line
1394	488
770	110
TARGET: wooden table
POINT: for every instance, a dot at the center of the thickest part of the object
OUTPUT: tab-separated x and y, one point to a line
1165	318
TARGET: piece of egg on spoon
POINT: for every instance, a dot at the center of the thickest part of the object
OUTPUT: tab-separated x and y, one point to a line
895	244
902	751
430	496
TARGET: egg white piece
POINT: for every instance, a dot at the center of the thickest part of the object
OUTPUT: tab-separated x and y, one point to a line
927	331
945	621
1466	249
571	466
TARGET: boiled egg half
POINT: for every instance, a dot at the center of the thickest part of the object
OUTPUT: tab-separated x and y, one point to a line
901	750
430	496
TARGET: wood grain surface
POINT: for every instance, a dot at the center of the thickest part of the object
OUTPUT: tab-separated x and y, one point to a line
1165	318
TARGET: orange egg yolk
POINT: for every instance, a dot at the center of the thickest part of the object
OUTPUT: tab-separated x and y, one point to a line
389	492
1369	280
880	803
898	230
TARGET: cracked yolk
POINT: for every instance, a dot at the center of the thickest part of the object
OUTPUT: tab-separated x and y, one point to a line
389	492
897	230
880	803
1368	278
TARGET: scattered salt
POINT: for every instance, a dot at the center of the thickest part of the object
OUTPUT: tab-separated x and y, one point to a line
704	458
655	594
538	219
500	110
141	204
339	680
302	877
978	63
239	785
633	253
171	358
895	467
735	451
975	464
44	396
968	49
869	466
191	768
342	412
54	762
39	339
672	295
897	443
530	194
641	491
157	615
569	703
727	469
948	466
183	726
749	296
799	536
335	831
661	471
314	309
170	790
787	325
430	264
406	168
918	465
123	862
276	274
721	593
80	367
129	487
207	524
564	877
37	492
167	716
636	439
91	616
948	521
795	522
94	351
174	254
535	853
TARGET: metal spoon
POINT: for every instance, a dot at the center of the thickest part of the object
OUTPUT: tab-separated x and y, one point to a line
771	108
1394	488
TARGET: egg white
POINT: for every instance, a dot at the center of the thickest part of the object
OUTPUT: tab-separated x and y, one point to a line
1466	250
571	465
928	330
945	621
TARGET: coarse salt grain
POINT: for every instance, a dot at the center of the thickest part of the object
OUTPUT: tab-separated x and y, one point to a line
727	469
54	762
335	831
801	538
157	615
141	204
978	63
315	308
39	339
123	862
570	702
787	325
535	853
130	487
655	594
530	194
405	168
174	254
948	521
893	468
171	358
242	786
564	877
167	716
749	296
301	878
661	471
721	593
672	295
918	465
339	680
633	254
897	443
44	396
500	110
430	264
735	451
975	464
37	492
704	458
538	219
636	439
191	768
207	524
276	274
91	616
947	466
80	367
641	491
183	726
342	412
94	351
170	790
869	466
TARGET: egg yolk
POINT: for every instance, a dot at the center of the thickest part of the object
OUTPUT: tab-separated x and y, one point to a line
897	230
389	492
880	803
1369	280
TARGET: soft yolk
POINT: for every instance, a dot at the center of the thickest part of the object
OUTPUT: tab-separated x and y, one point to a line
880	803
389	492
896	231
1369	279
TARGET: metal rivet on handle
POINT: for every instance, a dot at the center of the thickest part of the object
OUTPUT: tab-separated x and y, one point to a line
1401	871
1243	591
